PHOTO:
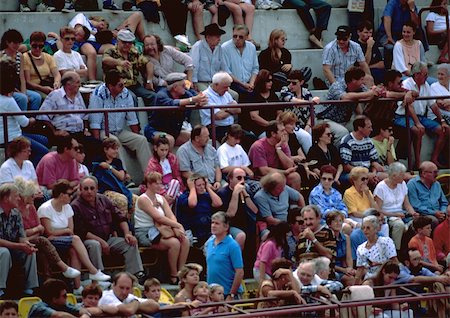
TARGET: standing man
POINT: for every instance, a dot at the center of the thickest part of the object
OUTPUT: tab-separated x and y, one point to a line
113	94
198	156
241	60
13	242
126	59
218	94
95	220
340	54
224	258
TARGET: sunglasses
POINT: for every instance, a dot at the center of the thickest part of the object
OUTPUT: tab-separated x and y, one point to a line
294	82
92	188
235	36
300	222
69	39
390	129
364	179
69	193
37	46
327	179
269	80
240	178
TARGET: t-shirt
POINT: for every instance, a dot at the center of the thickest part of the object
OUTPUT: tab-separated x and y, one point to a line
10	170
108	298
392	198
263	154
425	246
439	21
59	219
355	202
68	61
51	168
45	70
8	104
381	147
232	156
267	252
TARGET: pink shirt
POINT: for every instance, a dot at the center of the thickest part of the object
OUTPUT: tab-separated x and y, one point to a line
32	220
263	154
267	252
51	168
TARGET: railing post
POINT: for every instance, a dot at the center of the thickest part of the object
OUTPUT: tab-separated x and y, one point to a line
213	127
105	115
5	134
312	114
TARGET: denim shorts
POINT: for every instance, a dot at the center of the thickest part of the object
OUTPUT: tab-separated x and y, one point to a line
429	124
62	242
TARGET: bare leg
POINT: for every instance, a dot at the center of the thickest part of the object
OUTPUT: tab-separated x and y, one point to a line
214	14
91	60
240	239
294	181
184	252
417	144
104	47
439	146
172	246
75	263
249	10
82	253
135	24
196	9
183	137
236	11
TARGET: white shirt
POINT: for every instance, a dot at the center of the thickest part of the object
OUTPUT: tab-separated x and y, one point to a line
10	170
438	90
421	107
232	156
216	99
80	18
8	104
69	61
439	21
392	198
109	298
141	218
59	220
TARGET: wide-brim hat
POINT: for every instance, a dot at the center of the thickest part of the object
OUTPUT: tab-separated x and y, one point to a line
212	29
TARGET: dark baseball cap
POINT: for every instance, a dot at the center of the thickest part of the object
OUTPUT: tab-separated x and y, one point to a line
343	30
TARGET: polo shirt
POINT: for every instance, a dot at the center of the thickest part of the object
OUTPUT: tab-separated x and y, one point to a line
263	154
277	207
424	200
216	99
204	164
51	168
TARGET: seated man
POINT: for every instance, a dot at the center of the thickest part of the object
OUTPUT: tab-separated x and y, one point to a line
311	283
358	150
350	89
122	298
170	122
113	94
295	220
126	59
425	193
14	246
340	54
272	154
96	220
371	51
273	200
241	60
59	164
218	94
198	156
425	115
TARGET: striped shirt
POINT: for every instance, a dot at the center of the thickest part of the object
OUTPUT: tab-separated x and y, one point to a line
358	153
340	61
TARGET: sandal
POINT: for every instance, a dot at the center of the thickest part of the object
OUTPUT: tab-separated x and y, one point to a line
174	280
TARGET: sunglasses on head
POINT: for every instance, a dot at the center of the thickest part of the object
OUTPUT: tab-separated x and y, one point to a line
235	36
37	46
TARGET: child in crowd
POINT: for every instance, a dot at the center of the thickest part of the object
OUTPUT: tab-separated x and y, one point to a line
424	244
166	163
216	295
9	309
201	295
83	171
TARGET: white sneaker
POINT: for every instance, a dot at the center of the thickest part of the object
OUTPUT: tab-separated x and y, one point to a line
183	39
263	4
78	291
42	7
275	5
99	276
71	272
104	285
24	8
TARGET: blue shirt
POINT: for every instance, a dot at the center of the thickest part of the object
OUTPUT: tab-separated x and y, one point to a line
102	98
424	200
42	309
277	207
339	60
327	202
398	15
206	62
242	66
405	275
341	249
222	260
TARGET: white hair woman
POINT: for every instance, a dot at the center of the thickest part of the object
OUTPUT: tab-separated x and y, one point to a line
442	88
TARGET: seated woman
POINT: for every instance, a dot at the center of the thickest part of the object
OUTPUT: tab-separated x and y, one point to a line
276	58
152	213
56	216
8	80
371	254
391	195
358	197
41	72
9	46
324	151
163	57
18	165
437	28
189	276
34	229
442	88
386	275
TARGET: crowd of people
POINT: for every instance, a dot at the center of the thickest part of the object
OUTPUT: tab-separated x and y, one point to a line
307	204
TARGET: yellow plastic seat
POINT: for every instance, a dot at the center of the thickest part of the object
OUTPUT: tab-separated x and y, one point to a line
71	299
25	304
444	180
166	297
137	292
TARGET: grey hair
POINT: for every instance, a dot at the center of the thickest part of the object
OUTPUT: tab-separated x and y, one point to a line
396	168
221	77
68	76
371	211
445	67
27	188
6	189
321	263
417	67
371	219
222	216
89	177
312	207
238	27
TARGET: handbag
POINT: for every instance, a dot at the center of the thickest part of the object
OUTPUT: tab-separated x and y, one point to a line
49	81
165	230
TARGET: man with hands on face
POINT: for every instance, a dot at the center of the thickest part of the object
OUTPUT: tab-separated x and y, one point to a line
371	51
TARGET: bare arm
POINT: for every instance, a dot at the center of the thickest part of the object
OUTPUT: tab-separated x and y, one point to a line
49	231
328	73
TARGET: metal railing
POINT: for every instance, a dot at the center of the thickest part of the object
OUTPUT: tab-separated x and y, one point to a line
249	106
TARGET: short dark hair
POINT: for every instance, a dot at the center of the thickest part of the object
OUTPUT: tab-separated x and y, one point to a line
293	213
280	262
8	76
113	77
61	186
52	289
354	73
8	304
17	145
37	36
333	215
411	24
360	122
196	131
10	35
272	127
365	24
318	130
63	143
328	169
390	76
92	289
420	222
296	75
161	140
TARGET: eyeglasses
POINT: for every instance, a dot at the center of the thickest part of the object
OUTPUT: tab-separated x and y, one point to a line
300	222
240	37
294	82
92	188
37	46
269	80
364	179
126	42
69	39
240	178
327	179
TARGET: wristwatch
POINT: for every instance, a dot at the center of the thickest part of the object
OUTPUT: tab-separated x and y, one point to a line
191	100
314	241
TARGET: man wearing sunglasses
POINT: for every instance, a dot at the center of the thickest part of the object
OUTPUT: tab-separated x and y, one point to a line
66	59
241	61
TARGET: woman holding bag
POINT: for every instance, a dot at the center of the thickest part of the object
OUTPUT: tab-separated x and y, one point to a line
156	225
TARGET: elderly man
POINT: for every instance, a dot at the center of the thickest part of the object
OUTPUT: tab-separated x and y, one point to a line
59	164
76	125
218	94
238	205
95	220
224	258
425	193
198	156
350	89
127	60
274	198
272	154
13	243
316	240
122	298
425	115
171	122
310	282
241	60
340	54
113	94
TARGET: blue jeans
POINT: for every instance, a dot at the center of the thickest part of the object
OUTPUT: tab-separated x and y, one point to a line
22	100
38	147
140	91
321	8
